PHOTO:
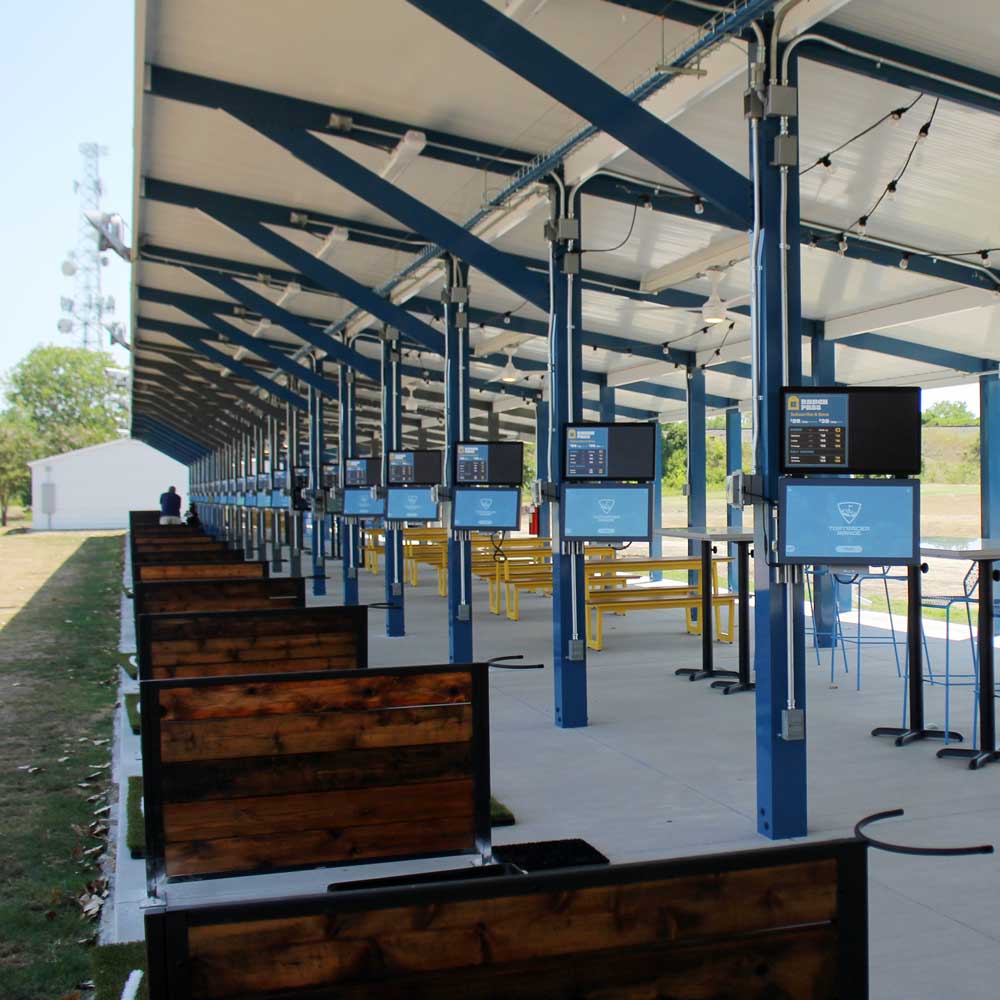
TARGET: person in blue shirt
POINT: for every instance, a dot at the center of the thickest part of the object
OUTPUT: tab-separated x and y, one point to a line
170	507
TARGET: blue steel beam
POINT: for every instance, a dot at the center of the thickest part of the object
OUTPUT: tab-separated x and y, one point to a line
386	197
581	91
296	325
196	339
371	130
163	439
880	344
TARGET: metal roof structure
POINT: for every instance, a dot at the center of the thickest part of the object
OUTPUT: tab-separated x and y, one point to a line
246	253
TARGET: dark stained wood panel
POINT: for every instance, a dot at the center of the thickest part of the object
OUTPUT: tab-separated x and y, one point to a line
202	571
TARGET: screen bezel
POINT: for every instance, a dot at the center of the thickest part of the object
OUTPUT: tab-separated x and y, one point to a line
601	423
604	485
849	469
490	444
415	451
482	487
362	489
856	560
410	520
371	463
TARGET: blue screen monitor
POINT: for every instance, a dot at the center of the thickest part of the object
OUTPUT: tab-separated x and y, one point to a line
849	522
410	504
360	503
606	512
486	509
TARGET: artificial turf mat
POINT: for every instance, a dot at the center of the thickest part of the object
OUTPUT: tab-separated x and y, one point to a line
110	968
132	711
135	835
500	815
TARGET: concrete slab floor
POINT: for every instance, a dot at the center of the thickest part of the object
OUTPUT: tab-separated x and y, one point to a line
666	768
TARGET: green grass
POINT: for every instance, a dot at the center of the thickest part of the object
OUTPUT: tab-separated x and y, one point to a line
135	835
111	965
500	815
132	711
58	681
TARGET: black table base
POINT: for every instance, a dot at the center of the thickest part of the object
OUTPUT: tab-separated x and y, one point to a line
976	758
904	736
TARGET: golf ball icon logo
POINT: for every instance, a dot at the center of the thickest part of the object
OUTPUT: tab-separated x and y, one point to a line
849	510
411	501
486	503
607	504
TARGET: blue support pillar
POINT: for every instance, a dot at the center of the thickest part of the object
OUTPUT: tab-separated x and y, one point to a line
989	455
656	542
456	408
697	475
395	620
569	657
542	470
606	400
316	482
781	764
349	532
734	462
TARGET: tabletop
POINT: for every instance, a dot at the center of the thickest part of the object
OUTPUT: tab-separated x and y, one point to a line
961	548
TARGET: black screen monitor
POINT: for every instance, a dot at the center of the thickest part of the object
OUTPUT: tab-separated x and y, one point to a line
486	509
863	431
362	472
414	468
606	512
610	451
489	463
831	521
330	477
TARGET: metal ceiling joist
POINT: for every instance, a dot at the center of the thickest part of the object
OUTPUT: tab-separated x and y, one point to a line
920	353
581	91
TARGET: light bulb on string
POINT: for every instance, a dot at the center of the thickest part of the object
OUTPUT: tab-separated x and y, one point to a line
827	163
904	262
699	206
862	225
925	130
842	245
984	255
890	190
897	114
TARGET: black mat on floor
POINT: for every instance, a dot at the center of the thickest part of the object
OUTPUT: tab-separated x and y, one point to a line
548	854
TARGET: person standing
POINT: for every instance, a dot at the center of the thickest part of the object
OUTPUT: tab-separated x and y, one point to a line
170	507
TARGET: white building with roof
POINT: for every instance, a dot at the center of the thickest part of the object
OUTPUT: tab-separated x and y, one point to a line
96	487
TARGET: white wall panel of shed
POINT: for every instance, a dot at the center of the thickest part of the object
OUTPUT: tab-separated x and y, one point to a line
96	487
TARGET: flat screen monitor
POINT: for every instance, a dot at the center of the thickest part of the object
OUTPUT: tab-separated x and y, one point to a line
610	451
329	477
414	468
413	503
362	472
264	481
864	431
606	512
489	463
849	522
486	509
358	502
280	479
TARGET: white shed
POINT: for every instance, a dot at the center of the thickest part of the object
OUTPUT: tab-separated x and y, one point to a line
96	487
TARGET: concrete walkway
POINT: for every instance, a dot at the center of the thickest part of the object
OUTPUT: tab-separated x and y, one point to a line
667	768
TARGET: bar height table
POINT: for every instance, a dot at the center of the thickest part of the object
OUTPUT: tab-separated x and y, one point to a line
708	538
984	551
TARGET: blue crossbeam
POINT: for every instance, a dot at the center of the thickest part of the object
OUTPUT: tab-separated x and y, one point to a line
406	209
296	325
525	54
917	352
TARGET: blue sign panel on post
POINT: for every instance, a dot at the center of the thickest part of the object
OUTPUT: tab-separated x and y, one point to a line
587	452
816	426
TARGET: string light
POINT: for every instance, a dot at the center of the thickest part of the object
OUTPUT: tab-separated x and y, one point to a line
647	203
890	190
925	130
904	262
862	225
842	244
825	161
699	206
984	255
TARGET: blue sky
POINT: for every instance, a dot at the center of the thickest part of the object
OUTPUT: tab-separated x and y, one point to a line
67	78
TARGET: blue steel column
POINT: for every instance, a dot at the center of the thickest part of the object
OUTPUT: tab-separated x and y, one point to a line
606	404
989	455
781	765
456	408
294	516
569	657
656	542
542	470
824	372
395	623
349	534
734	462
697	506
316	481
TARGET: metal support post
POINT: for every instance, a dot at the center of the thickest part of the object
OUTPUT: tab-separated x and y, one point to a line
395	621
259	438
569	635
274	448
779	654
606	404
492	425
351	543
989	458
734	462
542	469
316	482
656	542
697	475
247	514
294	517
824	587
456	392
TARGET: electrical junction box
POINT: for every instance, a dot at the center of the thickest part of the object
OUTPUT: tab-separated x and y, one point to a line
782	102
562	230
786	151
793	725
464	613
571	263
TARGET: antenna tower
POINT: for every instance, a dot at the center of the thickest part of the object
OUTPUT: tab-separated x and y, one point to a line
84	313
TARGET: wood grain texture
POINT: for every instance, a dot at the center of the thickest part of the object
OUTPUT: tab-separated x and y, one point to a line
221	739
315	772
220	595
229	668
313	697
304	621
202	571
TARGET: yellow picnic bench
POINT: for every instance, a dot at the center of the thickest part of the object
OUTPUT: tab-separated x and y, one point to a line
662	596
